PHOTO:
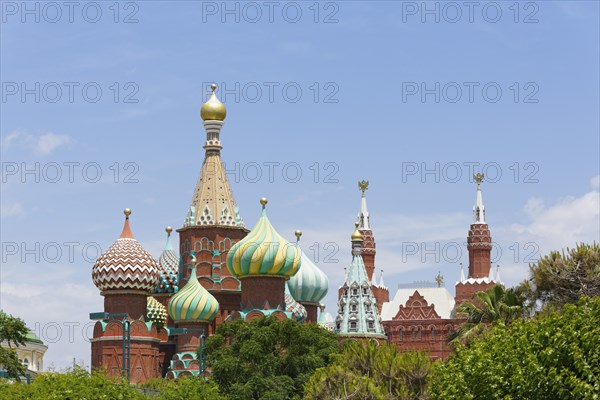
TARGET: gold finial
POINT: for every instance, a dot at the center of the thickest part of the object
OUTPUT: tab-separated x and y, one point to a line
213	109
478	177
193	260
356	235
264	201
439	279
298	233
363	185
168	229
322	307
127	212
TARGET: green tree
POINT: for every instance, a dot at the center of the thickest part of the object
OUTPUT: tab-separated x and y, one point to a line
74	384
372	371
183	388
562	278
552	356
266	359
496	305
12	333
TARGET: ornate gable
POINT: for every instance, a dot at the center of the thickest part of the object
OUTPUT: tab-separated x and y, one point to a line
416	308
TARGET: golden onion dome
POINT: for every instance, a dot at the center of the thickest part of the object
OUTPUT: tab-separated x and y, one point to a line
356	235
213	109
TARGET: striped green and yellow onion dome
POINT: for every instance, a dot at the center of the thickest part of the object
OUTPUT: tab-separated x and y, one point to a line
155	311
310	284
263	252
193	302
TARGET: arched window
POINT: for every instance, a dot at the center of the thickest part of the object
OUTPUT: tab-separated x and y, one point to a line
400	334
353	308
432	330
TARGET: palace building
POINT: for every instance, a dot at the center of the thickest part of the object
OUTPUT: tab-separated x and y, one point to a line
158	312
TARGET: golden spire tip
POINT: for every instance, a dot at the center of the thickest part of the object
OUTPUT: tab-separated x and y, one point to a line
168	229
264	201
127	212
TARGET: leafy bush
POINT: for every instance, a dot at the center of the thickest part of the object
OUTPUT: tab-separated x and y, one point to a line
554	356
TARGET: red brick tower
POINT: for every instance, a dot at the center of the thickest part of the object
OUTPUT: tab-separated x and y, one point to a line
125	275
213	223
479	245
380	292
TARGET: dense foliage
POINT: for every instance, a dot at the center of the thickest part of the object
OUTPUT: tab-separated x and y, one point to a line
76	383
12	333
553	356
369	371
265	359
183	388
558	279
496	305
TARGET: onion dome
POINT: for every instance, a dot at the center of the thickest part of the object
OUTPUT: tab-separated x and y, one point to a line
126	265
155	311
168	264
263	252
356	235
310	284
193	302
297	310
213	109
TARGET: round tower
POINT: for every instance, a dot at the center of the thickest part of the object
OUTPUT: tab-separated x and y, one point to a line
125	274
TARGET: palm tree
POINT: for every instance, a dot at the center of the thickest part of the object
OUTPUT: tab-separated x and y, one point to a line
493	306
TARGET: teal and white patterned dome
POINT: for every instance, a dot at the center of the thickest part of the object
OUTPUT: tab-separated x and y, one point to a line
310	284
168	268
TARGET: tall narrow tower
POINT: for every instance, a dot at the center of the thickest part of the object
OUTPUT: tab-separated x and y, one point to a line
125	275
358	316
479	245
380	292
213	223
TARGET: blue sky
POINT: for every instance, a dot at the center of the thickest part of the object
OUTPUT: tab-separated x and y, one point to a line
361	69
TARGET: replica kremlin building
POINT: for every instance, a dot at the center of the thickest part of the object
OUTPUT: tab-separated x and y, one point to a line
157	312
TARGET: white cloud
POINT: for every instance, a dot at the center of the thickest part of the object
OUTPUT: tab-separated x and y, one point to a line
43	144
571	220
595	182
11	210
48	142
